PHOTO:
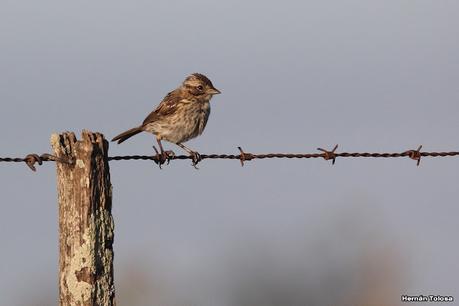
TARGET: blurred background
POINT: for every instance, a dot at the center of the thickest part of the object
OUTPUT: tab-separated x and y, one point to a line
294	75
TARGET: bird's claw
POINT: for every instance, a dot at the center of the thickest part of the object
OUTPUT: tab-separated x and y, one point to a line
163	157
168	156
195	158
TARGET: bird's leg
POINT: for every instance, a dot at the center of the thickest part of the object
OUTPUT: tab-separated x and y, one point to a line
163	155
195	156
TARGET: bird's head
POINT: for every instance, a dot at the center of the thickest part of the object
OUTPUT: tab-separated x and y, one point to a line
199	86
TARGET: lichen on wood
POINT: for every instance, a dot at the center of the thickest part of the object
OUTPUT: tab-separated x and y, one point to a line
86	226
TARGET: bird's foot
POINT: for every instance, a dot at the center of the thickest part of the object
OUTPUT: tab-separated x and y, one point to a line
195	158
163	157
168	156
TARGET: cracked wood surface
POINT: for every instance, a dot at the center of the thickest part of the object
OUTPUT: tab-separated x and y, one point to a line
85	220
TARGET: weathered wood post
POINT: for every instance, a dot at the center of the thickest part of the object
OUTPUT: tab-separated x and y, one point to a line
85	220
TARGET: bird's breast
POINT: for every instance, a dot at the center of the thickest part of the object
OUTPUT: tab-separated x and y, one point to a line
188	122
201	115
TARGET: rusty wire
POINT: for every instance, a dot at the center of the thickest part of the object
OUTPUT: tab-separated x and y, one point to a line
32	159
243	156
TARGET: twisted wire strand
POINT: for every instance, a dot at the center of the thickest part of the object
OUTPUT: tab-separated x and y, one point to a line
32	159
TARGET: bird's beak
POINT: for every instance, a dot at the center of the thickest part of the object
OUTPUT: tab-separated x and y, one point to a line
214	91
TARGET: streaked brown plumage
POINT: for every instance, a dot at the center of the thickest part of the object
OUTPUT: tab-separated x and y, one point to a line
181	115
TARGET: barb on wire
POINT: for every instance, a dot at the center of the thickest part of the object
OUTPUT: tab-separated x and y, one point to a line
415	154
327	155
243	156
32	159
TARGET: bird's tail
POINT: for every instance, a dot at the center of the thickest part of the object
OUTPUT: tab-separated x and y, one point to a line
128	134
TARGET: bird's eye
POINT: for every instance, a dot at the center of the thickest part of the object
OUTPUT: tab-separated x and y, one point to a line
200	87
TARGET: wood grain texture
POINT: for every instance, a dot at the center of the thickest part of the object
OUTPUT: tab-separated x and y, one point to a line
86	228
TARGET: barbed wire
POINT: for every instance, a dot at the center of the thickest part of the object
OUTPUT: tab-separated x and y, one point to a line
32	159
332	155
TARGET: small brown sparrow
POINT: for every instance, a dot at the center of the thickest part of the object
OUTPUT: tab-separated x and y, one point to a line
181	115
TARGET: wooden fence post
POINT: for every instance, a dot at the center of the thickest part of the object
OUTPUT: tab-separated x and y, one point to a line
85	221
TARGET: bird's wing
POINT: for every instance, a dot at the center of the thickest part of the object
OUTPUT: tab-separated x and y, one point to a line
167	107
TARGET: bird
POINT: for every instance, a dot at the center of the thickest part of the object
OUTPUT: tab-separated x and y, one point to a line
179	117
